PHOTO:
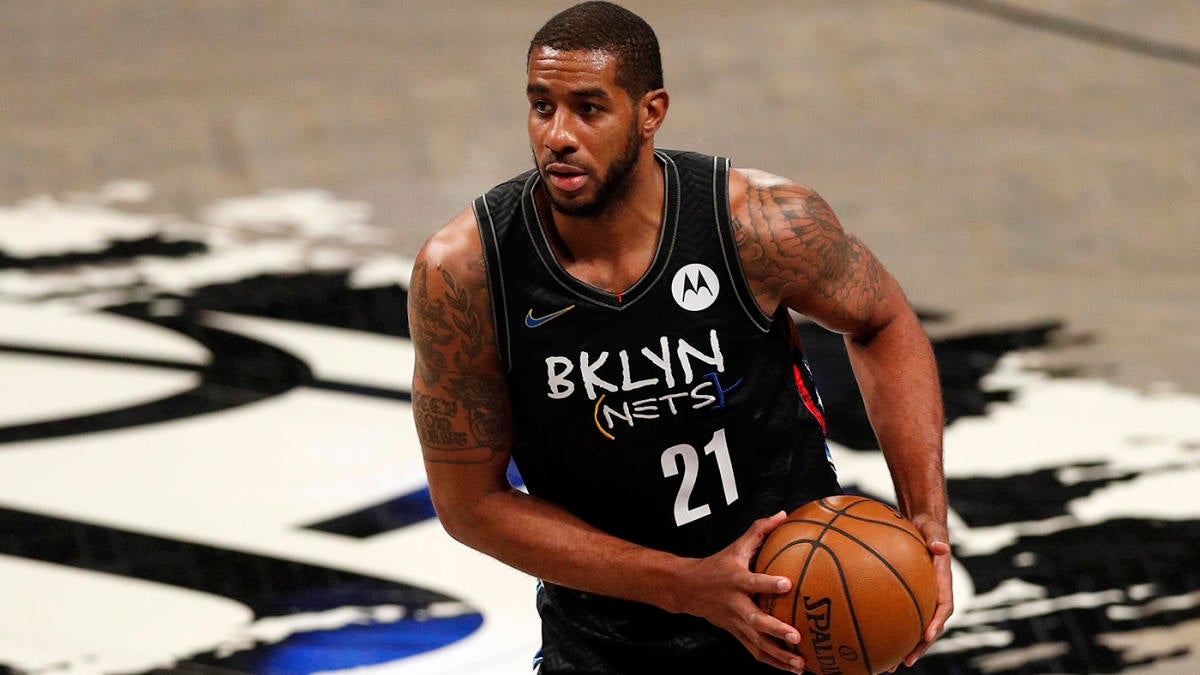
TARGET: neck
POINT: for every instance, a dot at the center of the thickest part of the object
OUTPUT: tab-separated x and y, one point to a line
630	223
613	249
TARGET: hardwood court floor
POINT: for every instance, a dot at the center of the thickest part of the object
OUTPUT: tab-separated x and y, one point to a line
186	183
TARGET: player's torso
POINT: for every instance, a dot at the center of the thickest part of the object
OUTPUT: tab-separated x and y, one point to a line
668	414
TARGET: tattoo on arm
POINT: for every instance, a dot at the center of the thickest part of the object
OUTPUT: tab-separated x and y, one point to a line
461	413
796	242
435	422
429	328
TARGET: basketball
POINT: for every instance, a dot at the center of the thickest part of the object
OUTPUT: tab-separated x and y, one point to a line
863	585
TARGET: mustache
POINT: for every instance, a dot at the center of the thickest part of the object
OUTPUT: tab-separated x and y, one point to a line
553	157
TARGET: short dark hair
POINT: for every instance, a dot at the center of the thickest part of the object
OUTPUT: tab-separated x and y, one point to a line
611	28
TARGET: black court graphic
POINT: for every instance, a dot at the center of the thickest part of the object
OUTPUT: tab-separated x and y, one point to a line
1063	568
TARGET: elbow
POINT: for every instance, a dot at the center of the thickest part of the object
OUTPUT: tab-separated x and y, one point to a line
449	514
469	500
462	518
900	325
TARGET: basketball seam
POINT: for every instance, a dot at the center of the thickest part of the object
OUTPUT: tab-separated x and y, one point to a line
895	573
838	513
862	647
826	527
884	523
823	503
799	583
862	519
816	543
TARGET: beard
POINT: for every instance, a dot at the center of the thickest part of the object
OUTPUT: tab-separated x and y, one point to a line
614	186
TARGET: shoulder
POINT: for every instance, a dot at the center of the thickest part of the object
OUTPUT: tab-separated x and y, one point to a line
448	288
783	229
783	221
770	199
450	267
453	255
453	243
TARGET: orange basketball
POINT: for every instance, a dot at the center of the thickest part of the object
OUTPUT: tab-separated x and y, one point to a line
863	585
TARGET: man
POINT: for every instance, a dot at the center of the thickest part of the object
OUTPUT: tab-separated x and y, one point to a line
617	321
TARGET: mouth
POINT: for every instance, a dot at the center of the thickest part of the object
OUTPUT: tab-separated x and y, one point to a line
565	177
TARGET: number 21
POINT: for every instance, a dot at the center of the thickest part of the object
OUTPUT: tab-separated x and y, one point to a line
686	455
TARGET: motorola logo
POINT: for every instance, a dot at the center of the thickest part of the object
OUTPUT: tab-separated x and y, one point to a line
695	287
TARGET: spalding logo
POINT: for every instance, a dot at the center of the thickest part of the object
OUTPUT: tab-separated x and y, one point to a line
695	287
817	615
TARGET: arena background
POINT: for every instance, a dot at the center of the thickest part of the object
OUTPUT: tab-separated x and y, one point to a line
207	213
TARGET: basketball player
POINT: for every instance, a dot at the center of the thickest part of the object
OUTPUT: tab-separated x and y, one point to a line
616	320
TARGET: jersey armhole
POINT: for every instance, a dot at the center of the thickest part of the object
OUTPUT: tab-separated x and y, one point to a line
729	249
495	279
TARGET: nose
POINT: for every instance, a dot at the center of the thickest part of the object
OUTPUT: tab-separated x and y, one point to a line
560	133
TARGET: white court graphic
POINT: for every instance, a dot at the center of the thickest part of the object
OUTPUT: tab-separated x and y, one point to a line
248	478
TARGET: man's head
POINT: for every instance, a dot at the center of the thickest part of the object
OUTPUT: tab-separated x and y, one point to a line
609	28
595	101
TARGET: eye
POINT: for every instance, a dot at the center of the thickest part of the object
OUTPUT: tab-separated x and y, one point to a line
541	106
589	108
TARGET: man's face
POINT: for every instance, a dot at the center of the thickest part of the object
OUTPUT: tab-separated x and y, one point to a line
583	129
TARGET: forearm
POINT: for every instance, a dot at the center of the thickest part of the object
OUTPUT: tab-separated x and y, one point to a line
545	541
898	378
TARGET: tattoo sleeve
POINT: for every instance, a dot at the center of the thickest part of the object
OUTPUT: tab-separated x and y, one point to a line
460	405
794	247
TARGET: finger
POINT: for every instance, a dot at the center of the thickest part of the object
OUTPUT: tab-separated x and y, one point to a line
760	528
916	653
945	602
766	649
941	614
920	649
746	546
782	659
771	640
776	518
932	632
938	624
768	625
765	584
933	531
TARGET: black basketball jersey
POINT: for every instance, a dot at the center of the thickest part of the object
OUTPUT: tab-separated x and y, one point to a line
671	414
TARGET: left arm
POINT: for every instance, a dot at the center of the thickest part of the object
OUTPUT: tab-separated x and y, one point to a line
894	365
796	255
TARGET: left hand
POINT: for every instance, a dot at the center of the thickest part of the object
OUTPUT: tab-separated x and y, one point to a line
938	540
722	589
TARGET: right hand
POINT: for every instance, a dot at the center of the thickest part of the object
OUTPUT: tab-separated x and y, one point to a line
722	588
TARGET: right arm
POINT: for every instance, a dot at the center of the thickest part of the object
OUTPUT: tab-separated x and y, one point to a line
463	415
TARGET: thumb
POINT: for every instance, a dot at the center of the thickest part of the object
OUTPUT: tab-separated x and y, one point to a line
936	537
764	526
758	531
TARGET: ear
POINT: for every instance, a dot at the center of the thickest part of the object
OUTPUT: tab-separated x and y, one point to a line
652	110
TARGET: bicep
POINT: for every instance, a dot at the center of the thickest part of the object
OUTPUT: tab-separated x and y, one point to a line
797	254
854	294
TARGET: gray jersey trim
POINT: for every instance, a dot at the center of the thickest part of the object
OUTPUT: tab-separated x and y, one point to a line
495	276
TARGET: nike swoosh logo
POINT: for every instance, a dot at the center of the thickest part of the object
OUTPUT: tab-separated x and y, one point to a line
535	321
